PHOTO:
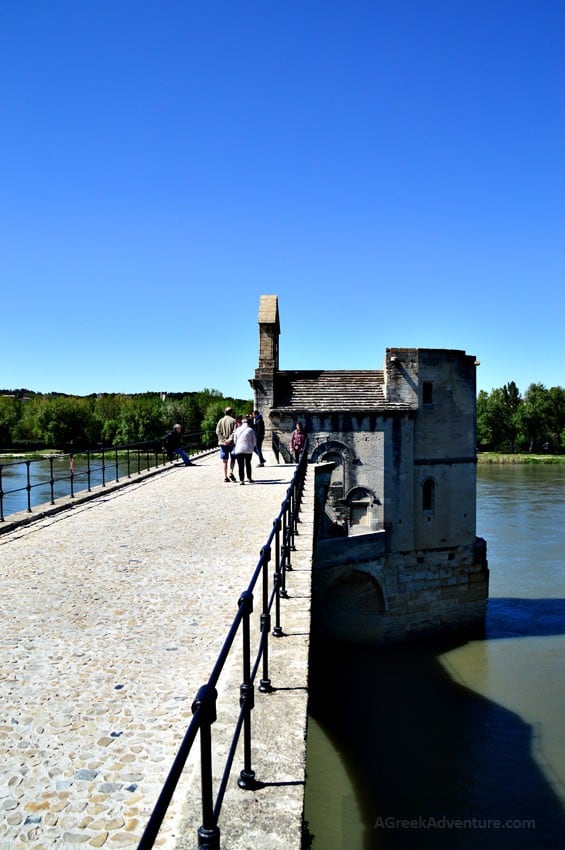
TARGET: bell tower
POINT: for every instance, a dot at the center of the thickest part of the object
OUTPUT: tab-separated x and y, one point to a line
269	331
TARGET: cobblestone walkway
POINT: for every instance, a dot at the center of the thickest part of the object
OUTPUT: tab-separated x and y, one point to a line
112	614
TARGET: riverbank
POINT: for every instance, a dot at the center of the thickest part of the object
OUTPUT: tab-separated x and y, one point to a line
500	457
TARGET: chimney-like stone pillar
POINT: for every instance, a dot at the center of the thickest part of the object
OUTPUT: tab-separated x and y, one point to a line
264	382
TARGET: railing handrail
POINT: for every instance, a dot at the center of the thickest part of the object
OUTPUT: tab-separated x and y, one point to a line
204	705
115	461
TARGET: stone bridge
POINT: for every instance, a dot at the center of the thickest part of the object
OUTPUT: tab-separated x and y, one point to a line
113	612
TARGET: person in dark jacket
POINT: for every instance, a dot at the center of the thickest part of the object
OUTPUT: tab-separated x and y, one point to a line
172	445
258	425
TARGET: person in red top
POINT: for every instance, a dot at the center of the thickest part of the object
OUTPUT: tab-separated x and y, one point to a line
297	441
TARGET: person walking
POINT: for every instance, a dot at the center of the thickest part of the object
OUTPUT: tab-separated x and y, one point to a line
224	431
259	428
172	443
297	441
245	441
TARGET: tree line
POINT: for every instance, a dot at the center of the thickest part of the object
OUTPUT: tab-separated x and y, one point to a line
31	421
510	422
506	420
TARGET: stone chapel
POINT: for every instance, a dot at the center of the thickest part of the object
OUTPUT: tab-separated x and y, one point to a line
396	554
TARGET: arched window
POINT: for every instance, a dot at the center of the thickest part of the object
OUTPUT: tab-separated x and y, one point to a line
360	501
336	480
428	494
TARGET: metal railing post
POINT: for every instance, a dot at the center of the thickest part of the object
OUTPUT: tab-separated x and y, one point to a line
208	832
292	497
277	631
28	485
72	474
52	480
285	555
246	694
265	622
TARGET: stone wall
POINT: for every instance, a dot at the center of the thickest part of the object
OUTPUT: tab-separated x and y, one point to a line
363	591
363	595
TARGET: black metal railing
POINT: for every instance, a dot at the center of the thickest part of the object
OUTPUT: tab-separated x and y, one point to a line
64	474
277	551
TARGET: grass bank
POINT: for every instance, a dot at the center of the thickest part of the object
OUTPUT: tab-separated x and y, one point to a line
499	457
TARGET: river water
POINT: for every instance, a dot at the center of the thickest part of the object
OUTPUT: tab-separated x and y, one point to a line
15	478
456	744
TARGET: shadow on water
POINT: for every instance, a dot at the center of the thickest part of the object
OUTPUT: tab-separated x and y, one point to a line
419	747
508	617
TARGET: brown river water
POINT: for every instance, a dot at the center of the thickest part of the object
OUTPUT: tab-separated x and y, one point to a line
456	744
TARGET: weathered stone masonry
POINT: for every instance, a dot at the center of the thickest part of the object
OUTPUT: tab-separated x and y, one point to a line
397	554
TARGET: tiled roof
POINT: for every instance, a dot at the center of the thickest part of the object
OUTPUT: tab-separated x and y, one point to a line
330	390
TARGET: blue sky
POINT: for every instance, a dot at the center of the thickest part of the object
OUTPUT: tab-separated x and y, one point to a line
392	169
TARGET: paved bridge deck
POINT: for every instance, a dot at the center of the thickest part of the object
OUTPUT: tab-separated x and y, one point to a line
112	614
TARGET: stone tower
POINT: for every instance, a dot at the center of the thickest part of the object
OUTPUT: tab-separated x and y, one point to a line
265	374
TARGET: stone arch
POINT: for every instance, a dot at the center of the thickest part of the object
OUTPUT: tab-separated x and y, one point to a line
339	454
337	476
331	447
352	608
360	502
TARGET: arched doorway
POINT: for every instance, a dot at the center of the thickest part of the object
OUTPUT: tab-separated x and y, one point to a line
362	504
351	609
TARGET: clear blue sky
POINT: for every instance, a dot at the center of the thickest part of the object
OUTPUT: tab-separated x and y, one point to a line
392	169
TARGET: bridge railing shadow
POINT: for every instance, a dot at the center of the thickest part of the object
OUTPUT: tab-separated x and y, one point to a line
276	552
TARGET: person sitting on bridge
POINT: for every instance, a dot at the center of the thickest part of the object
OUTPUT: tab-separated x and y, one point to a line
172	445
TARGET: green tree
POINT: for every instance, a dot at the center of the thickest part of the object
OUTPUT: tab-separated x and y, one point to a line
24	429
512	402
64	421
484	430
534	418
141	419
107	414
186	411
556	417
496	418
10	409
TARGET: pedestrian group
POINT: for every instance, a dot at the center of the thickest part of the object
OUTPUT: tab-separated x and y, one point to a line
239	438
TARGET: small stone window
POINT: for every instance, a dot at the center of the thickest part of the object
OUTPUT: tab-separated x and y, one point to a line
428	494
427	393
